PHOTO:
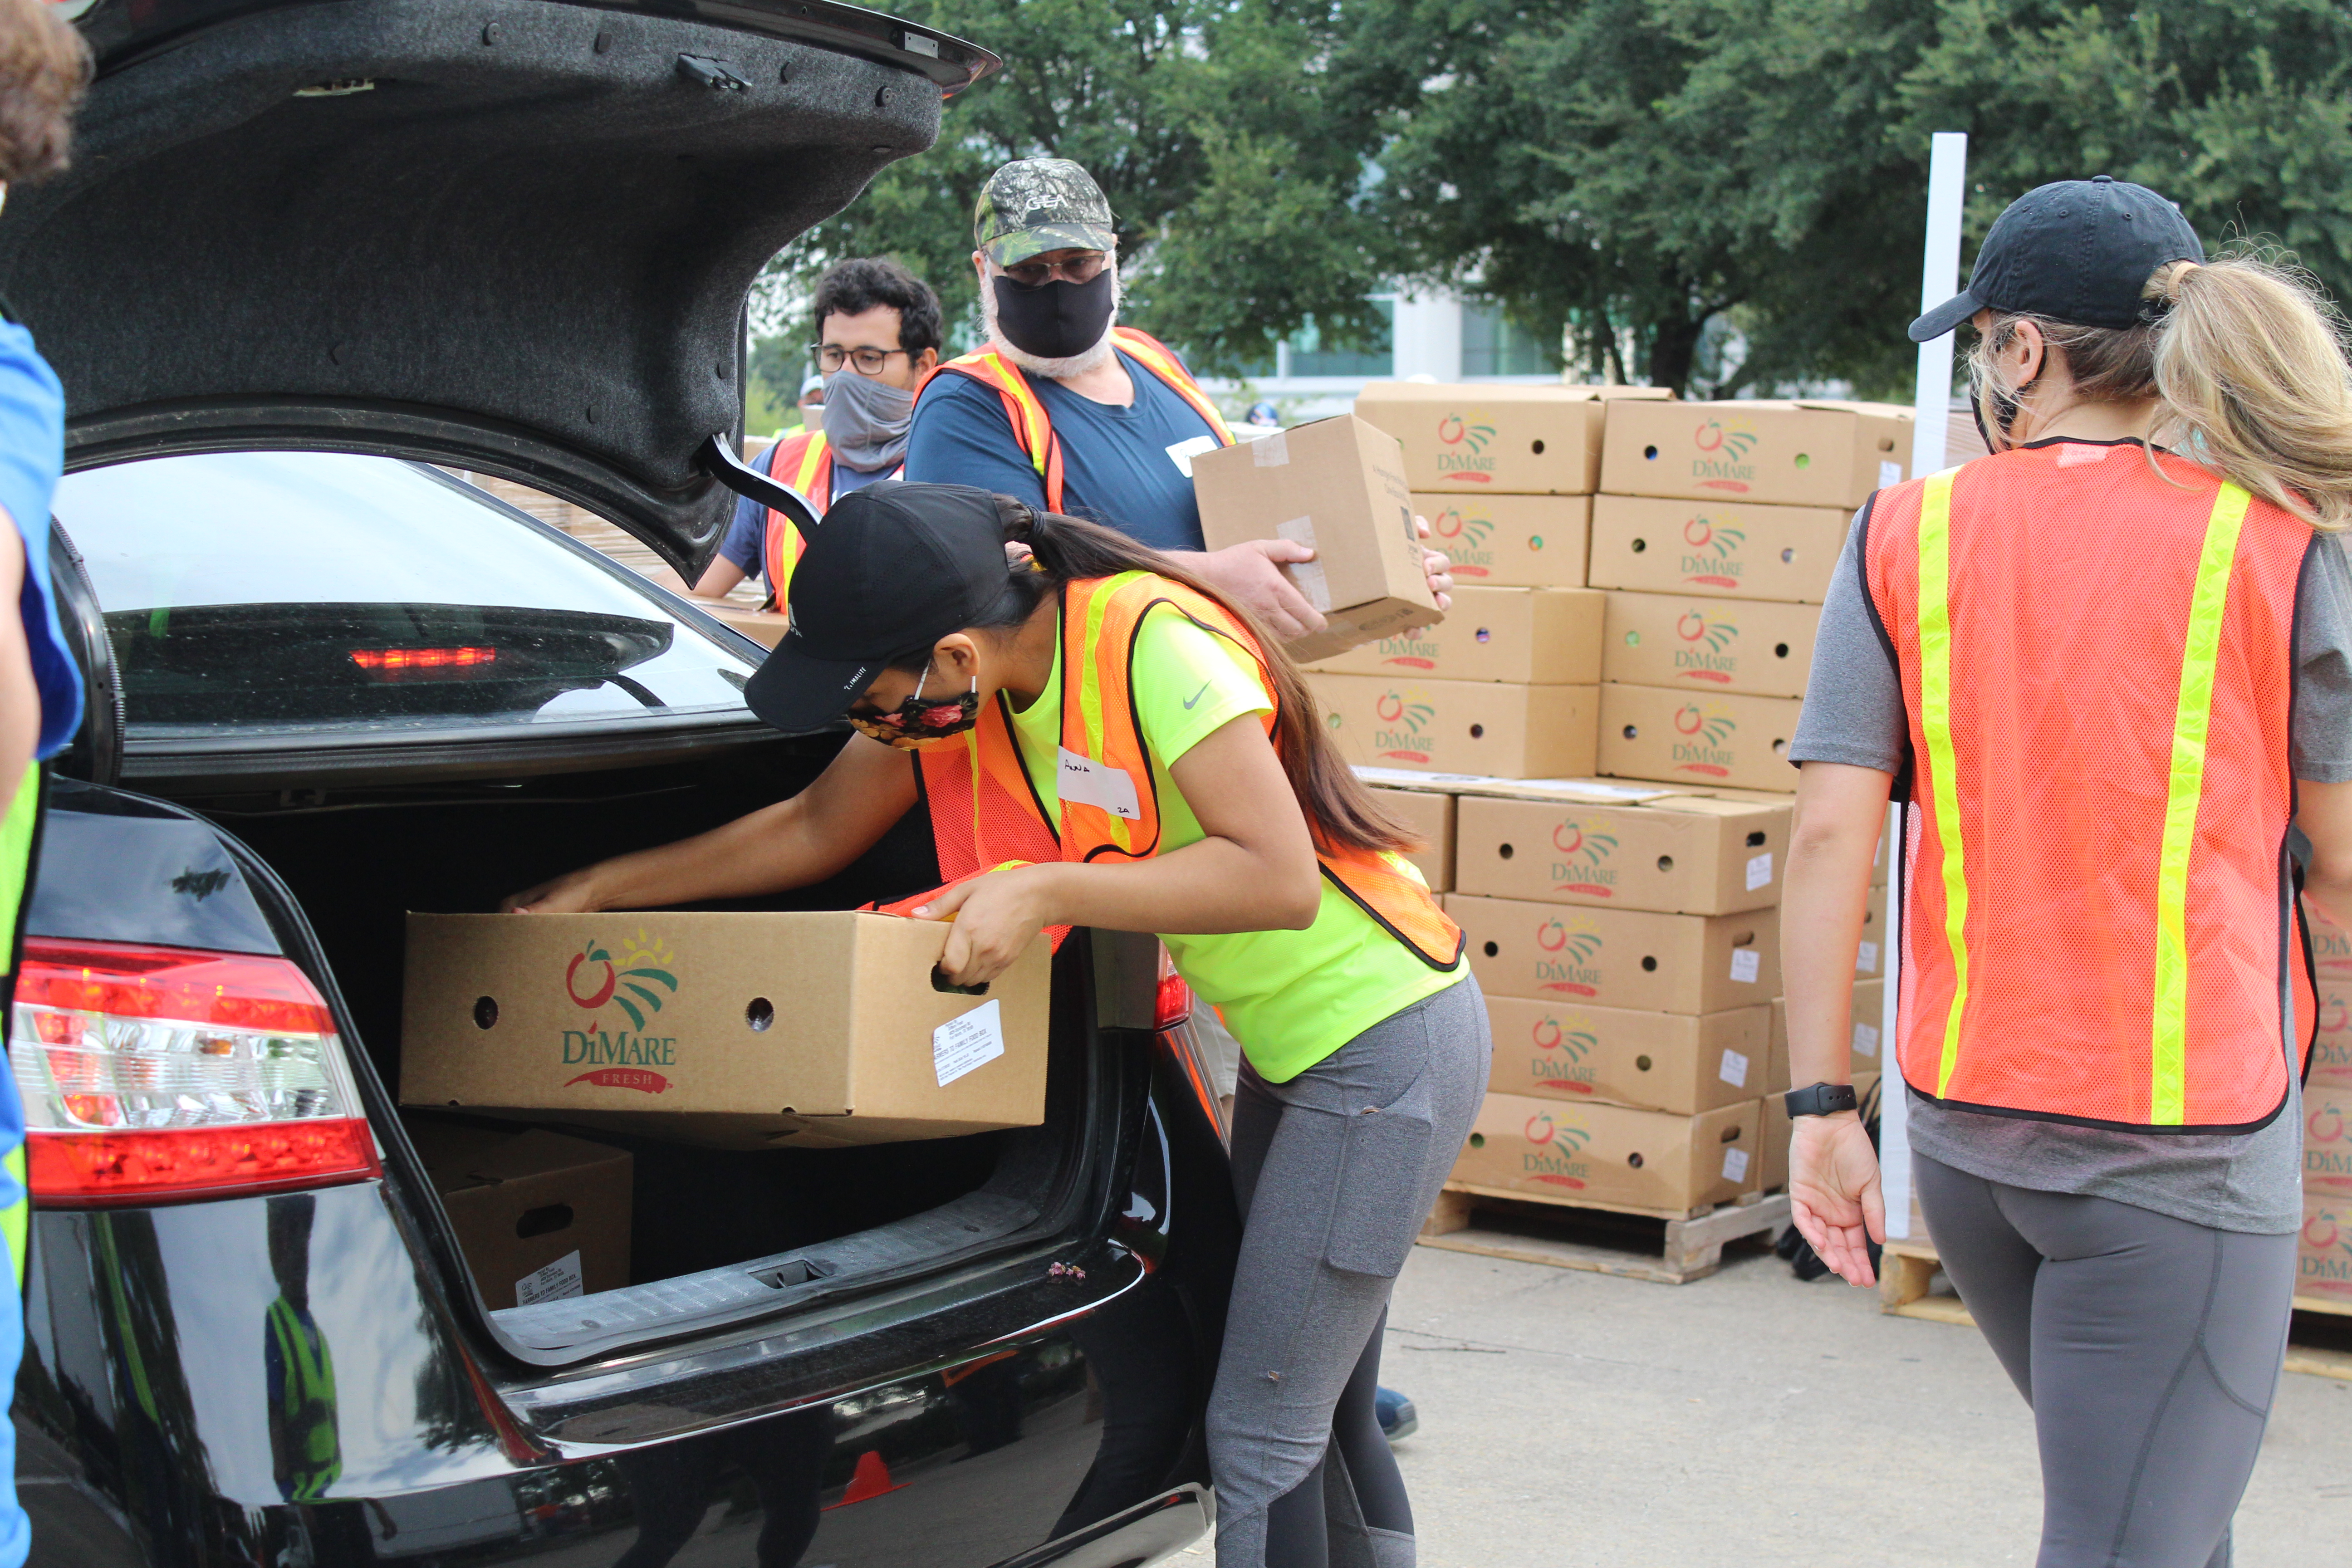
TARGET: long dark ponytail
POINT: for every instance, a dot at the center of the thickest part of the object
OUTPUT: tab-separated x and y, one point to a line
1338	808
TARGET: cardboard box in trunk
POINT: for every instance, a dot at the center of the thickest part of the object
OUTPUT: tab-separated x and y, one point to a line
538	1214
1431	815
736	1030
1534	637
1678	1062
1681	855
1715	548
1510	541
2324	1252
1795	454
1704	645
2326	1139
1338	486
1869	1000
1489	438
1657	732
1621	958
1461	726
1606	1154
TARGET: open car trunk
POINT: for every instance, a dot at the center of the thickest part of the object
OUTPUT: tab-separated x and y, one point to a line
514	236
717	1235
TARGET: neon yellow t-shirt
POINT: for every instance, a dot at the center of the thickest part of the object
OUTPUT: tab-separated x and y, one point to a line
1290	997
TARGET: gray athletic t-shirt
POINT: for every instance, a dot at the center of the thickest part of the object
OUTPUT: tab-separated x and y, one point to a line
2247	1182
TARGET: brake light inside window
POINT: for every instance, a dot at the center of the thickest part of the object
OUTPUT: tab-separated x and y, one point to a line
153	1073
394	662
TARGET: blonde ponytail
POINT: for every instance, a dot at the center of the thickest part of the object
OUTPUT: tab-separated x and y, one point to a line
2250	362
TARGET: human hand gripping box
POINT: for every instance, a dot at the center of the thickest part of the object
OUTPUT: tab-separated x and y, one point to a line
1508	540
1338	486
737	1030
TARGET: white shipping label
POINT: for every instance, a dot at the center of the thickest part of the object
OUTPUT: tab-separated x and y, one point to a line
1735	1165
970	1040
1270	451
1760	870
552	1283
1306	575
1865	1039
1090	783
1865	958
1889	474
1182	453
1734	1071
1746	962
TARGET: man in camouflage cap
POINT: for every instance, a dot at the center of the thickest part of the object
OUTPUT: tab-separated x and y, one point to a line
1036	204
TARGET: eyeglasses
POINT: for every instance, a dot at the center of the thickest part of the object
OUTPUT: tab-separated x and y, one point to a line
1084	268
870	362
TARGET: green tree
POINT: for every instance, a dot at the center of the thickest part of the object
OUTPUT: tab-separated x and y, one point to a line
1233	175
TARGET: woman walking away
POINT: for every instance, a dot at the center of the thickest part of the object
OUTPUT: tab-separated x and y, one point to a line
2111	665
1127	750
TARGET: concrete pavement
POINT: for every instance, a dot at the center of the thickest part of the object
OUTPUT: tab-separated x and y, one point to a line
1573	1420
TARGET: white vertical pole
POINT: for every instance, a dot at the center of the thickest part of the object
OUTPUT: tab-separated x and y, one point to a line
1939	280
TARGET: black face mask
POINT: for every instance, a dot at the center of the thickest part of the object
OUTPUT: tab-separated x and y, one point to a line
1055	319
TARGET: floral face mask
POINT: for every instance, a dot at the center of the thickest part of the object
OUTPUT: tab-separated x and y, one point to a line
919	721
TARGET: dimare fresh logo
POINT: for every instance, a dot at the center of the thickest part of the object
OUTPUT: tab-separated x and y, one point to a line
2326	1261
1702	737
1580	860
1702	655
2326	1150
1711	554
637	983
1566	953
1462	437
1550	1154
1561	1044
1462	535
1721	460
1401	733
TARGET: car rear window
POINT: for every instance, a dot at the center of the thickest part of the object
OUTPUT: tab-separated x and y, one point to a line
265	591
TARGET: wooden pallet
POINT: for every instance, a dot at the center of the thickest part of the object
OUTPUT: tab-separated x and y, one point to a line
1906	1268
1603	1239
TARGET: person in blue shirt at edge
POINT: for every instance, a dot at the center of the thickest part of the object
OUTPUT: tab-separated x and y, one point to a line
44	67
877	329
1071	413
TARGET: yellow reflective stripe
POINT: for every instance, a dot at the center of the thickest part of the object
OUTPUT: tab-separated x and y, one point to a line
1033	413
810	457
1090	693
15	1217
1936	720
2169	1047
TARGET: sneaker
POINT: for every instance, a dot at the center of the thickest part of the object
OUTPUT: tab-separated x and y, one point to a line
1398	1418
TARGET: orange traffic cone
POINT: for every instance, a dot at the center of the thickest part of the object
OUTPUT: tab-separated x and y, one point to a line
870	1480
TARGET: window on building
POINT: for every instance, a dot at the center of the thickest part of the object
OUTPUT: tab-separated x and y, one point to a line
1493	344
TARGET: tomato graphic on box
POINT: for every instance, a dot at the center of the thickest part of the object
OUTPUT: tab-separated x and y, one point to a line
644	963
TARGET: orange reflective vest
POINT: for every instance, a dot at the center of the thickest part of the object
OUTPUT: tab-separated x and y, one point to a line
2098	668
985	811
804	462
1033	429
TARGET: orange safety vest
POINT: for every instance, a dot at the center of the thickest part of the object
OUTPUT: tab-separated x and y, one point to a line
985	811
1035	430
804	462
2098	667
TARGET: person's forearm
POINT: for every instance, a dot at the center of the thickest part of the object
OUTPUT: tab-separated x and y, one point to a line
1208	888
1831	843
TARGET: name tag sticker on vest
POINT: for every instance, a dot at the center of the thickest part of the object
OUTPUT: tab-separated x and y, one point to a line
1270	451
1182	453
1889	474
970	1040
1865	959
1760	870
1865	1040
1306	576
1735	1165
1734	1071
1090	783
553	1283
1746	962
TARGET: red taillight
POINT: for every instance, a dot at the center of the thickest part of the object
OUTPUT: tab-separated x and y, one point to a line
1174	1005
397	661
149	1073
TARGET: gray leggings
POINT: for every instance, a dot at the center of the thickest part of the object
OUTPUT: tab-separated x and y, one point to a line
2147	1346
1335	1171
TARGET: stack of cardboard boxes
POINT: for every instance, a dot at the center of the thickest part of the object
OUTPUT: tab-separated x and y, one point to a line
2323	1269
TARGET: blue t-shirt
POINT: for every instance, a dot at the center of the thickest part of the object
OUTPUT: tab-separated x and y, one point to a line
746	543
32	455
1118	466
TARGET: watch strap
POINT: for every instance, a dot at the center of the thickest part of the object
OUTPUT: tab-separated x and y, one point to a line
1821	1099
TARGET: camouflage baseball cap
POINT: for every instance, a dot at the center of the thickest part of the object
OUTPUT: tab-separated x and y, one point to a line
1035	204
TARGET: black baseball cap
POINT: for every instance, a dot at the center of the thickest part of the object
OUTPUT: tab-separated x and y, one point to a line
892	569
2078	251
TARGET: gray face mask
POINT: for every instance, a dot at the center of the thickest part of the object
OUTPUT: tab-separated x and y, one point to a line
866	420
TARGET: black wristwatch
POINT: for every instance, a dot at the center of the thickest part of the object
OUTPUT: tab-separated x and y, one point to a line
1821	1099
